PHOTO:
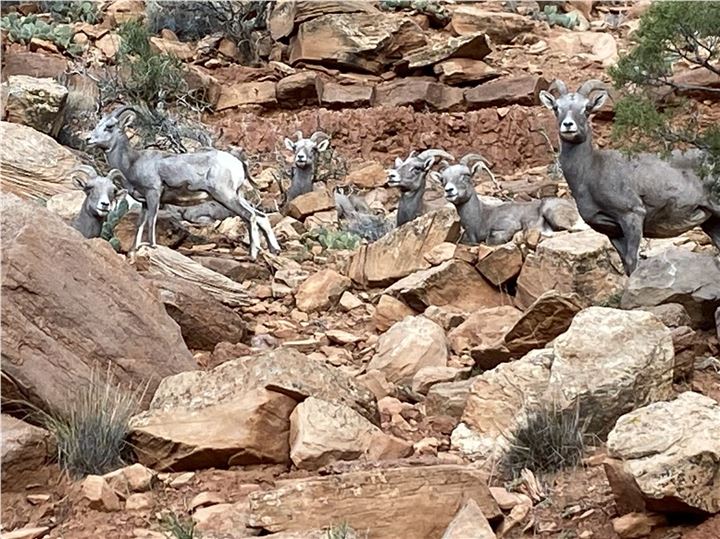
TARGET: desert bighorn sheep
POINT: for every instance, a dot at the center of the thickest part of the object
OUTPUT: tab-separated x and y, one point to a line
496	224
100	195
306	151
154	177
410	176
628	197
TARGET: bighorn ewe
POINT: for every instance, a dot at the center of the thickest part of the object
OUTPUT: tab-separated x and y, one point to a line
410	176
626	197
496	224
306	152
100	195
358	218
154	177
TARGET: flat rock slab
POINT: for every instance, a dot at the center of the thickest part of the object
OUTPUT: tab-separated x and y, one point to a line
412	503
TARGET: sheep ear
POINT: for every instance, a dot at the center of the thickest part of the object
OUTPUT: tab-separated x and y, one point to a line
120	192
323	145
547	99
435	176
79	183
126	118
478	166
289	144
596	102
428	163
398	162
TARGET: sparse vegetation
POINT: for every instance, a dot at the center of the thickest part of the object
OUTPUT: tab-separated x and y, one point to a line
333	239
113	218
179	527
22	29
552	438
192	20
91	434
73	10
340	531
647	118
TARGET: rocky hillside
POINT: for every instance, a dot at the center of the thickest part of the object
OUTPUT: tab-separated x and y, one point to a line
400	385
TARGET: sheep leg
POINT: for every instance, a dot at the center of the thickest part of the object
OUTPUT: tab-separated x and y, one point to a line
263	222
153	202
142	219
628	245
240	207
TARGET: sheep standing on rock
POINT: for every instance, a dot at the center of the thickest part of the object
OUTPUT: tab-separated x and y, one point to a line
154	177
410	176
101	192
497	224
628	197
305	155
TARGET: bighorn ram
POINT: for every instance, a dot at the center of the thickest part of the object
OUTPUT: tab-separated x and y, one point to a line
496	224
626	197
100	195
154	177
306	152
410	175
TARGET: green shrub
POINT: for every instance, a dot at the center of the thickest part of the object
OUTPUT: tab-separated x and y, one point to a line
334	239
73	10
91	434
179	527
650	116
552	438
340	531
22	29
113	218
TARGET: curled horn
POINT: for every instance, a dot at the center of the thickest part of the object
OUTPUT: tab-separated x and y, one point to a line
558	85
468	159
122	110
117	177
591	86
434	153
89	171
317	135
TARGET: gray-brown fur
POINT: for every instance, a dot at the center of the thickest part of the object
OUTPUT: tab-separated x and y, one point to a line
154	177
410	176
305	156
628	197
496	224
101	192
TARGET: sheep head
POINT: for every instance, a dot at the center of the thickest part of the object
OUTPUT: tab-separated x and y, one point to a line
306	150
409	174
457	180
111	128
101	192
573	109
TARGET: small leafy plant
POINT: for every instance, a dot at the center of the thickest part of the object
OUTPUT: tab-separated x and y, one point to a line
179	527
334	239
73	10
22	29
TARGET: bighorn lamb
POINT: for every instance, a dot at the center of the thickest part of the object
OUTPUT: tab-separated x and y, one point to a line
306	152
626	197
410	176
154	177
358	218
496	224
101	192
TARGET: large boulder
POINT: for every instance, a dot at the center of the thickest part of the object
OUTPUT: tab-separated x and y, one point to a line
503	92
469	523
203	320
485	327
408	346
420	93
33	102
33	164
25	448
321	290
71	306
285	16
665	457
677	276
220	417
322	432
499	26
358	41
454	283
632	349
402	251
472	47
584	263
410	502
